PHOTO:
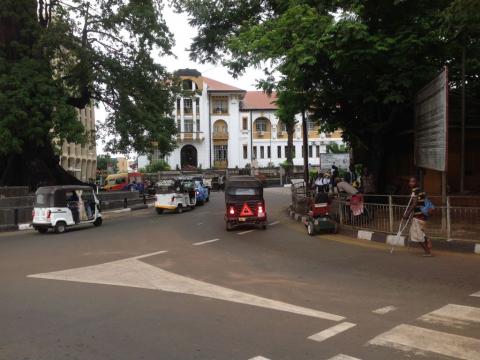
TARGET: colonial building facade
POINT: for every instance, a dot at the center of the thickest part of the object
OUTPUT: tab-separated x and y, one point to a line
222	126
81	160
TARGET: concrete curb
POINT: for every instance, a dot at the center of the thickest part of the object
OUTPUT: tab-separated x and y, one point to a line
469	247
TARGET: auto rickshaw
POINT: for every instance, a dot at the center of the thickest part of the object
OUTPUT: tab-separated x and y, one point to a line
318	217
176	195
59	207
244	202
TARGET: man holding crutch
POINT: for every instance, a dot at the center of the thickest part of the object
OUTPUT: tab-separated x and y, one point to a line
419	220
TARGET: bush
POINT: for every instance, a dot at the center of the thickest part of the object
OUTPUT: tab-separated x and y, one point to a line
156	166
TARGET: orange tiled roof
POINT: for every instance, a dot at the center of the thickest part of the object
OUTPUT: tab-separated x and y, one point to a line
258	100
215	85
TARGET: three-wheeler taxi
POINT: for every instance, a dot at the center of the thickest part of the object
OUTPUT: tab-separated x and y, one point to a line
175	195
244	202
59	207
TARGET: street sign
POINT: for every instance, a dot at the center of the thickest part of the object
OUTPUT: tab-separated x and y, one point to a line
431	124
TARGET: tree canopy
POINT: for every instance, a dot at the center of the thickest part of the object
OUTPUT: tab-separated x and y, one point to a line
357	63
58	56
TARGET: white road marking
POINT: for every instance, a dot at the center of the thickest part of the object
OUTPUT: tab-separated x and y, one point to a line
205	242
134	273
245	232
274	223
384	310
150	254
412	338
259	358
453	315
477	294
330	332
343	357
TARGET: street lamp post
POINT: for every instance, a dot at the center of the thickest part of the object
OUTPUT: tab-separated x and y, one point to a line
305	148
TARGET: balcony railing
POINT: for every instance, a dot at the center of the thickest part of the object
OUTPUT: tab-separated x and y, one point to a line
194	135
220	135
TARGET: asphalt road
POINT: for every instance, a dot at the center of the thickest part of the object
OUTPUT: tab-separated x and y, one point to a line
148	286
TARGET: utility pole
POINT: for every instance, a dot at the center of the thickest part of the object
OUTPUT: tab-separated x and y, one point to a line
462	129
305	149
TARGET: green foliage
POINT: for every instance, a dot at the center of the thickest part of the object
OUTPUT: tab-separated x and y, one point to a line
156	166
72	54
334	148
354	65
106	162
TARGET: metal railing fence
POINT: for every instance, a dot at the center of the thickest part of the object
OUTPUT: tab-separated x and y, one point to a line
456	218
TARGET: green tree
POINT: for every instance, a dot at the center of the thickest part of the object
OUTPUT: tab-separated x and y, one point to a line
334	148
156	166
359	64
106	163
58	56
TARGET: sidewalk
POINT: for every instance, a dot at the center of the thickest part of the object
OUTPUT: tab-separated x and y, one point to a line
472	247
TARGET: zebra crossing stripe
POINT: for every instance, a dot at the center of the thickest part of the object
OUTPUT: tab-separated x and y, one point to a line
343	357
330	332
477	294
453	315
412	338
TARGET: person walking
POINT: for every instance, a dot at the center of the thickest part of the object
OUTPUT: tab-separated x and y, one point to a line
419	220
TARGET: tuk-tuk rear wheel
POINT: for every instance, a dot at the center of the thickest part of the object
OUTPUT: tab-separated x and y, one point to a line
60	227
159	211
310	228
264	226
229	226
98	221
42	230
179	209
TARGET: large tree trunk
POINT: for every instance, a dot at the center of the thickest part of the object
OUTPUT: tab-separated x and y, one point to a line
37	166
289	153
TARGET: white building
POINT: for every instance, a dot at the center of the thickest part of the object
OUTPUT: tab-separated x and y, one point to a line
222	126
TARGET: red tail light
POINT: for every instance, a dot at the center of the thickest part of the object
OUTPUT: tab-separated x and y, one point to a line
48	214
231	211
261	210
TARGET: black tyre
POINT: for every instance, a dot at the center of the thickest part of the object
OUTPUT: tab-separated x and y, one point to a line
179	209
207	199
42	230
159	211
335	229
98	222
229	226
60	227
264	226
310	228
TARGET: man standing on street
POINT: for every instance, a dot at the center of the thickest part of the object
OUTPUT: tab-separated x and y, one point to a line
419	221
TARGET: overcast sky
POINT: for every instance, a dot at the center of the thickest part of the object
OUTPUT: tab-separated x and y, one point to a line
183	33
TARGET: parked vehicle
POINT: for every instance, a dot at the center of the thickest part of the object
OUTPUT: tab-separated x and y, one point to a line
59	207
318	217
201	192
124	182
244	202
175	195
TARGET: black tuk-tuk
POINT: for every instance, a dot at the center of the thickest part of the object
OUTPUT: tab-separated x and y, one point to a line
244	202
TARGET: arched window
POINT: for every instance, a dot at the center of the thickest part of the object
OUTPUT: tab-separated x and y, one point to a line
220	127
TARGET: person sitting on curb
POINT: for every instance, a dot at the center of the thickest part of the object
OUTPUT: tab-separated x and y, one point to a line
419	221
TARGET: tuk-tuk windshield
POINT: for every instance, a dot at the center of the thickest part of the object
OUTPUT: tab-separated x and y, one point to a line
235	191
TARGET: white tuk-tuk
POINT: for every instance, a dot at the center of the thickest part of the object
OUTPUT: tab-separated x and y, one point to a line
175	195
57	207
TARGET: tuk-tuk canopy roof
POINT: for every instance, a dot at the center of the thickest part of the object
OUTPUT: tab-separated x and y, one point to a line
243	181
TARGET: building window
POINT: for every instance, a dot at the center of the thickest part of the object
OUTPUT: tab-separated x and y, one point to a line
220	105
188	125
178	106
187	106
198	124
269	152
294	152
262	152
197	106
245	151
311	125
220	152
244	123
254	152
261	125
179	125
279	152
310	151
187	85
318	150
220	127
